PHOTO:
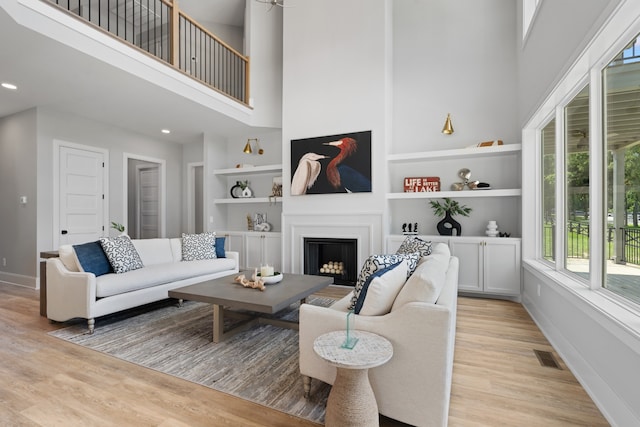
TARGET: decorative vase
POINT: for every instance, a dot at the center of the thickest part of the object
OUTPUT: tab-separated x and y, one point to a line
492	229
448	224
236	190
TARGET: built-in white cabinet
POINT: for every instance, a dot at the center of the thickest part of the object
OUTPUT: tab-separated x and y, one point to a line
255	248
489	265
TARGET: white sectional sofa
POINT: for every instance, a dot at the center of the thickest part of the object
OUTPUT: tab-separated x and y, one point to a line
415	385
72	293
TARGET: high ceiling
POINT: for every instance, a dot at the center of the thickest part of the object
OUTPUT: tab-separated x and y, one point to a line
52	75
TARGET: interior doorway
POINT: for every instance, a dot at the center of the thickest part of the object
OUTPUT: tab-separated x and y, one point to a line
195	197
144	196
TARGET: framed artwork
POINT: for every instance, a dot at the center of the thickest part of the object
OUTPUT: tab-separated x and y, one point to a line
331	164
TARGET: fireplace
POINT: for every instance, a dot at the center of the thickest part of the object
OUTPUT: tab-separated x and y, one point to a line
332	257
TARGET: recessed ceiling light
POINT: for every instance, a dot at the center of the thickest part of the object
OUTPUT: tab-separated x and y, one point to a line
9	86
166	131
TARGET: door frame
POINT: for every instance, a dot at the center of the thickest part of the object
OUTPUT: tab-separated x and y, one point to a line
191	202
139	169
162	213
57	144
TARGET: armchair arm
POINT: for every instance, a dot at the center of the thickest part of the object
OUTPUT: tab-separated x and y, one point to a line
236	256
69	294
417	379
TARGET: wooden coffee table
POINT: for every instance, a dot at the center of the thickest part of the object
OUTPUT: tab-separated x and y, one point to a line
224	294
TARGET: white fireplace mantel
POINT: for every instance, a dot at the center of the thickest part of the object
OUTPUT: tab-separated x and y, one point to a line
365	228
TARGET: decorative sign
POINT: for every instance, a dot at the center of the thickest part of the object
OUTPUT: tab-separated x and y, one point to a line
423	184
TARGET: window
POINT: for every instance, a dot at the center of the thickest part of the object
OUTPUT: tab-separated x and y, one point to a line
618	169
548	186
621	90
576	174
529	8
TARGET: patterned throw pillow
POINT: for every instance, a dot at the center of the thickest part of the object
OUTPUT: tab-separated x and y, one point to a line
198	246
121	253
414	244
378	262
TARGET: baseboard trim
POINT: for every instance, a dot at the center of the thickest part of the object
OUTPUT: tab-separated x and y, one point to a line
19	280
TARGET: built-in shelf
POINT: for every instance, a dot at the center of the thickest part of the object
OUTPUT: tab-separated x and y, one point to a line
459	153
253	170
457	194
241	200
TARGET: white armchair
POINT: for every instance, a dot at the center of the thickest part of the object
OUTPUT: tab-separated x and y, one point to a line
415	385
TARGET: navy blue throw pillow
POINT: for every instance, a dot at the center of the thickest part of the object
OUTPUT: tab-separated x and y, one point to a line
92	258
220	247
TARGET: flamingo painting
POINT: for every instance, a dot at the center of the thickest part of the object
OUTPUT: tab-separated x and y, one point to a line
343	177
331	164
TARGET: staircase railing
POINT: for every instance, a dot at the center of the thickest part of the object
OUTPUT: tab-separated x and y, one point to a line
159	28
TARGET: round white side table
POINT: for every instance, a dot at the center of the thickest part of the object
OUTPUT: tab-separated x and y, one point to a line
351	400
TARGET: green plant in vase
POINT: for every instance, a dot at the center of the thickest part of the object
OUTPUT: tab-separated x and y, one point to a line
117	226
449	208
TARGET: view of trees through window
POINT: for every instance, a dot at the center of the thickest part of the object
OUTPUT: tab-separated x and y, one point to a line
621	80
549	191
576	148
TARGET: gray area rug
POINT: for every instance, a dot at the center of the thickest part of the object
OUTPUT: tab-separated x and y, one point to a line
260	365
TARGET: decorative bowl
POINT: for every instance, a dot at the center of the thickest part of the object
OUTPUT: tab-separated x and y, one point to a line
269	280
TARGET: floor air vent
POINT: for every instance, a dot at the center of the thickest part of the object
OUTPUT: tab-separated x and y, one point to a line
546	359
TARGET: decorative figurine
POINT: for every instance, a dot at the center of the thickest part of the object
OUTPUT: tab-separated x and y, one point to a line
256	283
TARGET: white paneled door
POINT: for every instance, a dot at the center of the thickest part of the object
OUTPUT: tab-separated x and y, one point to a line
81	195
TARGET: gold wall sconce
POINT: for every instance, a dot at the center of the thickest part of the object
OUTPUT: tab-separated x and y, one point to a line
448	126
249	150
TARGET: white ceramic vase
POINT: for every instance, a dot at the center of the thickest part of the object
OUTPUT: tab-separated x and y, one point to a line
492	229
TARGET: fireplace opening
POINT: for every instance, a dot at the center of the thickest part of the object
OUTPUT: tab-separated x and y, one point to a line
332	257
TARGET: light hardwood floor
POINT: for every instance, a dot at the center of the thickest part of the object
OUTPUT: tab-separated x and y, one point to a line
497	379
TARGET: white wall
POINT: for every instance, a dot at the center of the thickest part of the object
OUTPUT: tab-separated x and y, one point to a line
264	47
335	76
18	163
191	153
61	126
455	57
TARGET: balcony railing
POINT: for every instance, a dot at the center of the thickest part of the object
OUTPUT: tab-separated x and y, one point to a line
578	242
160	29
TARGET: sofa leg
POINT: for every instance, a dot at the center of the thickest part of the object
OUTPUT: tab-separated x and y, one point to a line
180	302
306	381
92	325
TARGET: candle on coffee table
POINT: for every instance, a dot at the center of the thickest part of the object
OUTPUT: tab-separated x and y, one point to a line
266	270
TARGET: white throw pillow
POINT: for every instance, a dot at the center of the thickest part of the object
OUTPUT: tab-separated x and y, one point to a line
381	289
377	262
198	246
426	283
121	253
